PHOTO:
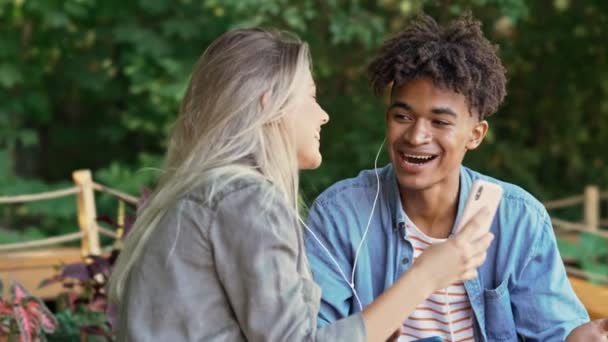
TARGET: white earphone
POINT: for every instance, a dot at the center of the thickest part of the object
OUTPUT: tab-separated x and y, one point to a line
351	282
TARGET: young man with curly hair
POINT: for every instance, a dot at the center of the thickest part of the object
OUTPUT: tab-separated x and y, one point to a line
444	83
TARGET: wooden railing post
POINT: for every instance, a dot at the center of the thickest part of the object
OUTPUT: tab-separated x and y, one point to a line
592	207
87	212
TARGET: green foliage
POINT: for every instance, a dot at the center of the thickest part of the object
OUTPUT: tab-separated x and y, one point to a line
567	249
69	329
593	253
97	84
82	308
589	251
71	323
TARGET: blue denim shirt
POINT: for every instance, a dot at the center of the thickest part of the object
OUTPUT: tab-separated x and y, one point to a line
522	291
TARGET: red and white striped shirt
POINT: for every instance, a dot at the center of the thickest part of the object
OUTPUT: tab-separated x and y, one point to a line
446	313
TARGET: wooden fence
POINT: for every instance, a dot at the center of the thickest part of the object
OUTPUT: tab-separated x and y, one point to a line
594	297
593	223
30	262
592	210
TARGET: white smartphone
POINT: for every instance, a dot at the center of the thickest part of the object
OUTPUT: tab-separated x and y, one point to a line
482	194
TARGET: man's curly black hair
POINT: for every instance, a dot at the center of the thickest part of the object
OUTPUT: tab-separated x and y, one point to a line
458	58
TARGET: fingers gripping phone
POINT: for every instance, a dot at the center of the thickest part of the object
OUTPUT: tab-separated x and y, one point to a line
482	194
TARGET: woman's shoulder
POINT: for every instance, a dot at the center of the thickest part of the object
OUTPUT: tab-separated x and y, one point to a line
236	190
245	205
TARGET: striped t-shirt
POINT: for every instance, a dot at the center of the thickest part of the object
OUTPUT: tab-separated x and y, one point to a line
434	315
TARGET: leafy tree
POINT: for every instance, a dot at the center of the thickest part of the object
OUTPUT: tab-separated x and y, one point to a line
96	84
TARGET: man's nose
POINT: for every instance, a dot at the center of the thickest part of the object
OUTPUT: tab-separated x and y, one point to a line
418	133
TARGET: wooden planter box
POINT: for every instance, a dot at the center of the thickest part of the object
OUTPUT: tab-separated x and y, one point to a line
30	267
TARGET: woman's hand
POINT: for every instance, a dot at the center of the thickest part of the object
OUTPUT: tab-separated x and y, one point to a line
458	258
594	331
439	266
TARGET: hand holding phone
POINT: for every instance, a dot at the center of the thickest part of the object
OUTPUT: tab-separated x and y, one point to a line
460	256
483	194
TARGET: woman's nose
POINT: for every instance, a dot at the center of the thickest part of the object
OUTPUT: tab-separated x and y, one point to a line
324	117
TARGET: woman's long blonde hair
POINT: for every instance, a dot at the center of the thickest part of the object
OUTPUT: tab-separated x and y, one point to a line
232	123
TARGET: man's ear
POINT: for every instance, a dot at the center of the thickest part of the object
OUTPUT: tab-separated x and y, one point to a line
477	134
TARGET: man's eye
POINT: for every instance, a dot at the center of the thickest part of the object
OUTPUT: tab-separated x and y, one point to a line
441	123
402	117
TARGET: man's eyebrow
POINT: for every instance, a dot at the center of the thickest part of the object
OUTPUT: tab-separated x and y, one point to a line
444	110
399	104
438	110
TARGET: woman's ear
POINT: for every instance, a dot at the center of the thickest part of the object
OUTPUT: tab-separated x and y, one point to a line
477	134
264	99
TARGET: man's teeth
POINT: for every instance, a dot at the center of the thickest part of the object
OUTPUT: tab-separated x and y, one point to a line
418	157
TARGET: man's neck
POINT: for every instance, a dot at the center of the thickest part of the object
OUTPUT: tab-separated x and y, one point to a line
432	210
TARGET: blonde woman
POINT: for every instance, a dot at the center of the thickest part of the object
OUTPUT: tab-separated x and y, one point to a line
217	254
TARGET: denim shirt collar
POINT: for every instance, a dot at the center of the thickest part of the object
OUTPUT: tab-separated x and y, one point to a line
394	198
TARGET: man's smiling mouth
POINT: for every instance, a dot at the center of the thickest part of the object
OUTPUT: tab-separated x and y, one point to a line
417	158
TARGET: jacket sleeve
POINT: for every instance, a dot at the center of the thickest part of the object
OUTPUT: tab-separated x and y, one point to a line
257	247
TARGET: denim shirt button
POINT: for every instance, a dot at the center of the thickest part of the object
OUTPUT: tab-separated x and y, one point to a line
405	261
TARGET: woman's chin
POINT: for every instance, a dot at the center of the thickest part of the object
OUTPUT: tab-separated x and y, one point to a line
310	162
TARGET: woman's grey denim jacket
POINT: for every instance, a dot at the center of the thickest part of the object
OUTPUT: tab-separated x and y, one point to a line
228	269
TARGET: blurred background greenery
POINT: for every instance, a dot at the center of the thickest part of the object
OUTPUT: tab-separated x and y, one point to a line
96	84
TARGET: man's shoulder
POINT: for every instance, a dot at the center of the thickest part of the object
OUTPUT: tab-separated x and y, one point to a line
514	197
351	189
